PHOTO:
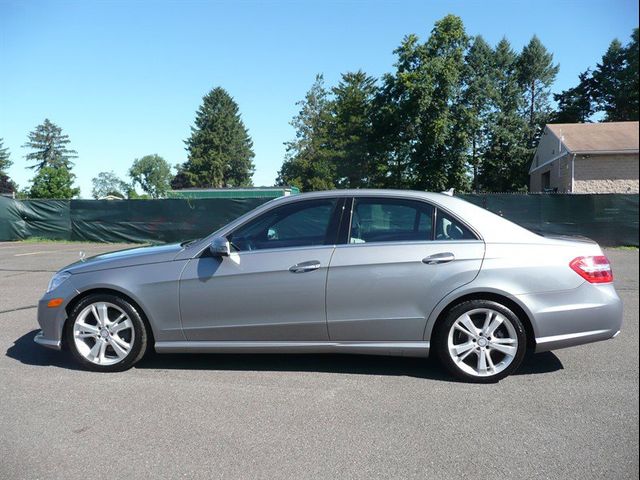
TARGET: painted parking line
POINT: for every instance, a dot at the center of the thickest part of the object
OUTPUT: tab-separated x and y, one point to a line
32	253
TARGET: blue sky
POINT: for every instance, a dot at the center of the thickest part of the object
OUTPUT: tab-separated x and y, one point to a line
124	78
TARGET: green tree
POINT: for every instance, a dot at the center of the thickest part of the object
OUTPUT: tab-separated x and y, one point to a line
220	148
478	92
50	147
7	186
307	163
615	81
575	105
108	183
5	158
631	77
53	182
536	75
351	131
153	174
424	107
506	159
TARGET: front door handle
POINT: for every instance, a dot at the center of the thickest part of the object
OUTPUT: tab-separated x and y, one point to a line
438	258
303	267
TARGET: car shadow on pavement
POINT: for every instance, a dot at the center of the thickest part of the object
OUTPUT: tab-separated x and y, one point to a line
26	351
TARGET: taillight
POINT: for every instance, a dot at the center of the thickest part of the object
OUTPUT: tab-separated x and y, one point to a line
593	269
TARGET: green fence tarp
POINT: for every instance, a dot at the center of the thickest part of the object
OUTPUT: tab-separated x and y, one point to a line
610	219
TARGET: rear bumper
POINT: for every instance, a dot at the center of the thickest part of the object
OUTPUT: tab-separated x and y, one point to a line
589	313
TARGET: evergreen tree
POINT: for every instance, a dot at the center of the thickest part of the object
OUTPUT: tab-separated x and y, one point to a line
631	77
5	160
53	182
308	164
536	74
609	93
220	148
395	126
478	92
575	105
507	158
153	174
7	186
615	81
50	147
351	129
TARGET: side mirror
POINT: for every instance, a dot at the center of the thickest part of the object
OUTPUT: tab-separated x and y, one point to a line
220	247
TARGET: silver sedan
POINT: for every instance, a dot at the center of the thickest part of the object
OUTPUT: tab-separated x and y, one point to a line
354	271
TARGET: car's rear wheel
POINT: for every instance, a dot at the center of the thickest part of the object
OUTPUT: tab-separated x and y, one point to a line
481	341
106	333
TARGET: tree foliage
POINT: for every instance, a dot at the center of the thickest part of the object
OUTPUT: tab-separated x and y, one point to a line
7	186
108	183
53	182
49	147
5	158
307	163
454	112
351	130
479	90
536	73
507	155
153	174
576	104
612	88
220	148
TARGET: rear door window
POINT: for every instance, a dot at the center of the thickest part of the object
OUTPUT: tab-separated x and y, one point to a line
390	220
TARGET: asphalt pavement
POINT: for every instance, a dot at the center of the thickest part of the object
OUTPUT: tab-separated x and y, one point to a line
568	414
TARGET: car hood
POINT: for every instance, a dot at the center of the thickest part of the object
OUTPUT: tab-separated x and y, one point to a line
126	258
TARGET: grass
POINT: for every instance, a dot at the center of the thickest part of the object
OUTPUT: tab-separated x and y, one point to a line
626	248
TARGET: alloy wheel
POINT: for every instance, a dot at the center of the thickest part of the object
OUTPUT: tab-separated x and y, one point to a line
103	333
482	342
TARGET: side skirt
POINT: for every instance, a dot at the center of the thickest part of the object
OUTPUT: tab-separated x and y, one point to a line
401	349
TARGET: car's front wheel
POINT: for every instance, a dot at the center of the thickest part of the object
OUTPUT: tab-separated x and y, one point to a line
106	333
481	341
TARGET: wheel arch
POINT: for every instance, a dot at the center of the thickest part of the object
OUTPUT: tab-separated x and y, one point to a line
520	310
108	291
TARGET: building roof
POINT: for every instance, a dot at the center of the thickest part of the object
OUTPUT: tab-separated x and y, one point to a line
597	137
248	192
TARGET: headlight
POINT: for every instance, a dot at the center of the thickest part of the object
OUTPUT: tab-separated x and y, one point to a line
57	280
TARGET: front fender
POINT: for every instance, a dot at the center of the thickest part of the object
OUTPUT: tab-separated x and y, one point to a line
153	287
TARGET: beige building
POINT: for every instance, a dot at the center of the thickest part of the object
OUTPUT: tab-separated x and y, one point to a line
586	158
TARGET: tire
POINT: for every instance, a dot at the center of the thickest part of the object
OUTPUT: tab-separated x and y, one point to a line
113	345
486	350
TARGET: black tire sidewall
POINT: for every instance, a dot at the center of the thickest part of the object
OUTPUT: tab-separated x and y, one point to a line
452	315
140	337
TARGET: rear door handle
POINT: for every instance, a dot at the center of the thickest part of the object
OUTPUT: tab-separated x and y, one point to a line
437	258
303	267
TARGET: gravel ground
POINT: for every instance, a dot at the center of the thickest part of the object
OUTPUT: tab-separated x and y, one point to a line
568	414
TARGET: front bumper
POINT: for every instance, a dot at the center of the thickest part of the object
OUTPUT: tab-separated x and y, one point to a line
51	320
589	313
41	340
